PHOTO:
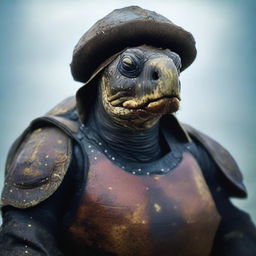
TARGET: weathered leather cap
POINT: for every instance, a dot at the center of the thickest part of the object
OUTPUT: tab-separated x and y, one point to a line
128	27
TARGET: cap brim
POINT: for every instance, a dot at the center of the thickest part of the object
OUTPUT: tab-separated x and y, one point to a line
108	37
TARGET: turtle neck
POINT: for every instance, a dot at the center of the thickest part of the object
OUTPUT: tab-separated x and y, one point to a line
131	145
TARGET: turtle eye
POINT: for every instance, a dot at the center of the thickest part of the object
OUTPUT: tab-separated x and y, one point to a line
130	66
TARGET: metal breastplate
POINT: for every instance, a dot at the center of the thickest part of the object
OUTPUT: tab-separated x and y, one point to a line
126	215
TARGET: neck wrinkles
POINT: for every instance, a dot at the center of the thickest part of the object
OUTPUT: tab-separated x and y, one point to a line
131	145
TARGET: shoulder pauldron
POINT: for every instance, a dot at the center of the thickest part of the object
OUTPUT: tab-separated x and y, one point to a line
36	167
224	161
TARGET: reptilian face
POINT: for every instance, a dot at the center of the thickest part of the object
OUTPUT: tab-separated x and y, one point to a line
141	85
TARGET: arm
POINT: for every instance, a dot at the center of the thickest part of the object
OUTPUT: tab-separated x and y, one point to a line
33	231
236	235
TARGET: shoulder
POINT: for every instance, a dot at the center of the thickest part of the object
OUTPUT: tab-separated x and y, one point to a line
223	159
36	165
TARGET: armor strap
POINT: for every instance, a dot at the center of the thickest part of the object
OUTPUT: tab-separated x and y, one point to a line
224	161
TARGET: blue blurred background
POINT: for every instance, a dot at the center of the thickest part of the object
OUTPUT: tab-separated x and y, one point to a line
218	90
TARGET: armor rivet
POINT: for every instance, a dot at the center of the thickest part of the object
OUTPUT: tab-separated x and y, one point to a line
29	225
105	151
92	150
148	173
89	146
100	143
139	170
26	252
133	172
10	190
113	158
123	167
80	136
162	170
95	158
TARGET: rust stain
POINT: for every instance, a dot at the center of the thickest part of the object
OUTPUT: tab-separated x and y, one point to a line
32	172
178	206
157	207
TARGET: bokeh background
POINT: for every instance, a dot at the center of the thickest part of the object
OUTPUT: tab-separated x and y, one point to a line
218	90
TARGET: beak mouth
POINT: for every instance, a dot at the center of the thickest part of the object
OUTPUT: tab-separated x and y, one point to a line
148	103
164	105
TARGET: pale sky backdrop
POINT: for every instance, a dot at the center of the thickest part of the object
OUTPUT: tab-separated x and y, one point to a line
218	90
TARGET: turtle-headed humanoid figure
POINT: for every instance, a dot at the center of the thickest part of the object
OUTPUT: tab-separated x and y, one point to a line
112	171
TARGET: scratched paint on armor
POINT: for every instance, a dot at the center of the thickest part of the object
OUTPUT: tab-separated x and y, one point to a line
124	214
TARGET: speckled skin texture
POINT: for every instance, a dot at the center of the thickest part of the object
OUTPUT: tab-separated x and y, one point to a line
154	213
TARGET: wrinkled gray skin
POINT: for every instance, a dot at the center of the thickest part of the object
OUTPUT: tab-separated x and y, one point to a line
135	91
140	86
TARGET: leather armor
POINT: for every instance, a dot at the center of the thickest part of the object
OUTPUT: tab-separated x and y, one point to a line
154	212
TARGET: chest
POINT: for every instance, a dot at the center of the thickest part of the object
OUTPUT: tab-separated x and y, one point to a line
126	214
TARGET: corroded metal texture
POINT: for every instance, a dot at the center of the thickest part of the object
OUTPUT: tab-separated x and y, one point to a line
129	26
224	160
37	167
126	215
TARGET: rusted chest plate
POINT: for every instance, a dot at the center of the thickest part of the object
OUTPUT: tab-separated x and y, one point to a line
124	214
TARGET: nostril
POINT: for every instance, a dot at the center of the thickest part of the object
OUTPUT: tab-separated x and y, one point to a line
155	75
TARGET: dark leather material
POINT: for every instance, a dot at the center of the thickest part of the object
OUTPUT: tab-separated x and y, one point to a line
223	159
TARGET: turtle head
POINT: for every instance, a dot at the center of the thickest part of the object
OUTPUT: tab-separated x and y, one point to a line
140	86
